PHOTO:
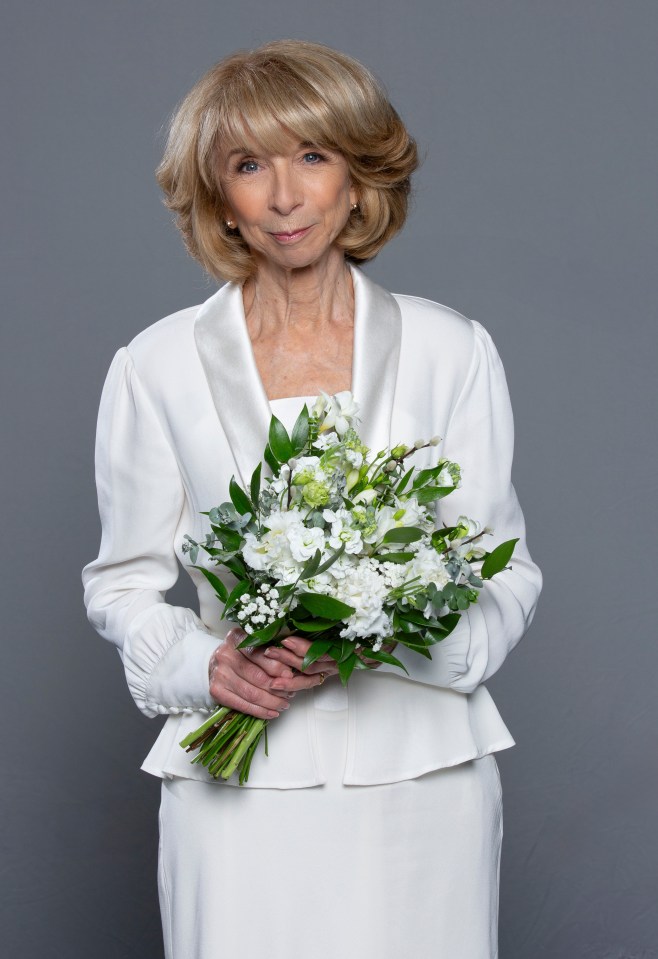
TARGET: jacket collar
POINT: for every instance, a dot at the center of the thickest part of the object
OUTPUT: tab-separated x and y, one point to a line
225	351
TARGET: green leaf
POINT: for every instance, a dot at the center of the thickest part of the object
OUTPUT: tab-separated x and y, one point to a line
279	441
299	436
394	557
411	616
239	498
215	582
346	668
230	539
423	477
315	625
498	558
449	621
271	460
317	648
235	594
325	606
414	647
430	493
254	486
260	637
310	567
383	657
403	534
332	559
404	482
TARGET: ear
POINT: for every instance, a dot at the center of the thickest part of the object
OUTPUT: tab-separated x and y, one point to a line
354	195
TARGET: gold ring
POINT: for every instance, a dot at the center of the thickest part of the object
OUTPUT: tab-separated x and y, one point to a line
322	678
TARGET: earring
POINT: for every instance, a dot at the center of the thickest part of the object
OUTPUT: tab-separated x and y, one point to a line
230	224
355	206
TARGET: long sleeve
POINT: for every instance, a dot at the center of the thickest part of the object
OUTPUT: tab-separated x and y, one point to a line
165	649
480	437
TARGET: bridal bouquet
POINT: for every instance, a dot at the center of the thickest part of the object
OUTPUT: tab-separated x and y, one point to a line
339	545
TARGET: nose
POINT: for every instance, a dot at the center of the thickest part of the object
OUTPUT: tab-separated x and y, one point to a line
286	192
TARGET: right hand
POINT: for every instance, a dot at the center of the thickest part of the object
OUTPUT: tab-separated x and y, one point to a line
244	679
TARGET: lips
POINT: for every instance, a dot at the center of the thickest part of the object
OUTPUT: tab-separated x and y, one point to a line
290	237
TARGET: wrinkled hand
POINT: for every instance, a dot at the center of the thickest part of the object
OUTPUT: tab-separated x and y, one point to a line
260	681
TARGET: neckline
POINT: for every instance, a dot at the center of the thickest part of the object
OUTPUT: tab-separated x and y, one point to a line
284	399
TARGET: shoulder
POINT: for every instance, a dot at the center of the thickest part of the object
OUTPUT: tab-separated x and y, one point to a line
165	337
442	331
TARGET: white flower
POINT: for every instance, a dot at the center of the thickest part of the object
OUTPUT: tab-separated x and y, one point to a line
366	591
340	411
472	550
342	533
428	565
305	542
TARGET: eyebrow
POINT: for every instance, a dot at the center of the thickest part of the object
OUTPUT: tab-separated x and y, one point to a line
245	150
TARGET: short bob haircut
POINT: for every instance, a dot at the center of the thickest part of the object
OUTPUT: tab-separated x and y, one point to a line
283	88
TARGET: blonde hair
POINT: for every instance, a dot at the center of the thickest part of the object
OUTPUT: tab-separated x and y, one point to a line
287	86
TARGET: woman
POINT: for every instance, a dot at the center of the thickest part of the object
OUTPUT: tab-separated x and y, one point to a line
374	827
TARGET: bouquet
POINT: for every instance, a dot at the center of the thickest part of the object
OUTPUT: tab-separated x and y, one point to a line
339	545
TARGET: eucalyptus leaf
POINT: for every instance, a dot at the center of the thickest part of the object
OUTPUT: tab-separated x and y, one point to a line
498	558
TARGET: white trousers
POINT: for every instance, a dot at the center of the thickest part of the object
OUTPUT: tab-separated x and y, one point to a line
333	871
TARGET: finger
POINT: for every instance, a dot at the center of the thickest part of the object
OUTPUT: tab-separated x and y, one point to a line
299	682
255	695
271	665
284	656
233	701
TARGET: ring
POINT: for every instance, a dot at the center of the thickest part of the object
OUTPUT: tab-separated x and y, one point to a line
322	678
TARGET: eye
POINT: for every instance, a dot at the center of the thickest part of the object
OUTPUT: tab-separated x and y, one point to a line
247	166
313	157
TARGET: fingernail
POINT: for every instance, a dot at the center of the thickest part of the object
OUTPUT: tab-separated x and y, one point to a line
277	684
288	643
285	706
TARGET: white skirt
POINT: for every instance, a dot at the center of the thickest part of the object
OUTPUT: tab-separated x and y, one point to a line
333	872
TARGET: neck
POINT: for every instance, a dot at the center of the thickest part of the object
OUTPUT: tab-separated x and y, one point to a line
310	297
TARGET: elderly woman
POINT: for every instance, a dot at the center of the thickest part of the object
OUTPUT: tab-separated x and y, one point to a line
373	829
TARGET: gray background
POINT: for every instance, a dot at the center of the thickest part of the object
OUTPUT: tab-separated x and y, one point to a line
535	213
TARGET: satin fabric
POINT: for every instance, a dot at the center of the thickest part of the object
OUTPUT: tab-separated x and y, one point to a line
183	409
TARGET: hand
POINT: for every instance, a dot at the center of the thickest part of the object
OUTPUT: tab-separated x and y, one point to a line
374	663
253	682
291	654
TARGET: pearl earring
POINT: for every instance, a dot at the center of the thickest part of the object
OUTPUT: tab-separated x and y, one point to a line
355	206
230	224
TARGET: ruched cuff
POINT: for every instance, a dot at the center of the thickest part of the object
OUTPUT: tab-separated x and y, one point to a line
165	657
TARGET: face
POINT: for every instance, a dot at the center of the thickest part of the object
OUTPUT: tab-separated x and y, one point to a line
289	207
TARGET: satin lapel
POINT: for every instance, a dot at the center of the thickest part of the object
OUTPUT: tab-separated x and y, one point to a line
377	337
223	344
224	347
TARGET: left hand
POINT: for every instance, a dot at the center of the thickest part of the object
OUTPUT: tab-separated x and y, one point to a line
291	653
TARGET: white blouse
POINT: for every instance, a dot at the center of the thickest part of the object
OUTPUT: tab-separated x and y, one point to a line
183	408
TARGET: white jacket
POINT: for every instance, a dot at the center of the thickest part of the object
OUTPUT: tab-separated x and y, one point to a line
183	409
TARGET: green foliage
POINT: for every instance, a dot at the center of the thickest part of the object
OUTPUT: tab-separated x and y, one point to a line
325	606
498	558
300	432
279	441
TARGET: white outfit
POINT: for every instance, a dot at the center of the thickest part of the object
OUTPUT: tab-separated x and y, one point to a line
183	409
